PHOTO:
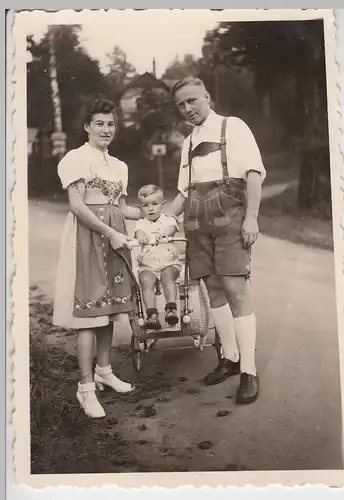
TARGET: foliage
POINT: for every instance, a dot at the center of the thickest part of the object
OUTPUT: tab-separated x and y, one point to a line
277	52
180	68
119	72
79	78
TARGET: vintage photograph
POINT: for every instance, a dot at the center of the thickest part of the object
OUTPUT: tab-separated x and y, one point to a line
182	300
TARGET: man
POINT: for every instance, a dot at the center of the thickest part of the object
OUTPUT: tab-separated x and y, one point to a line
220	179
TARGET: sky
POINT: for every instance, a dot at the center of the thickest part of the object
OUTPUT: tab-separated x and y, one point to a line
141	34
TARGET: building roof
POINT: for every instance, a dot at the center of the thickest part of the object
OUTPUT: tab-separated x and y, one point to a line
146	80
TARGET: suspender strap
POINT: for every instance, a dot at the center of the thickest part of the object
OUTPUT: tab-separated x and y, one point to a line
189	163
223	152
225	175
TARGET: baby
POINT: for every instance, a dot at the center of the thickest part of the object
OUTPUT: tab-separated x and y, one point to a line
157	262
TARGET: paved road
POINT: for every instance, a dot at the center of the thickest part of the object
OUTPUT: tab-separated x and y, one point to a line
296	423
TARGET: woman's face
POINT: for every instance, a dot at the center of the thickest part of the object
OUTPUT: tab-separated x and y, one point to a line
101	130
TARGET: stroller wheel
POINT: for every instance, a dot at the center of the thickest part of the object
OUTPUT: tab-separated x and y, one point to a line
136	354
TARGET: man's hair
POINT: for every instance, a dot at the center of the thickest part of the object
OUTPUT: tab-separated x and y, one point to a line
188	80
149	189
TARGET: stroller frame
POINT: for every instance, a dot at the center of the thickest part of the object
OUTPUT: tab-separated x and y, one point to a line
194	320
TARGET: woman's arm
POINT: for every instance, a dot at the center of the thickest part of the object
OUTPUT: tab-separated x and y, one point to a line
131	213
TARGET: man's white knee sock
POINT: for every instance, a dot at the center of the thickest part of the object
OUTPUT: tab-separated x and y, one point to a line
224	324
245	329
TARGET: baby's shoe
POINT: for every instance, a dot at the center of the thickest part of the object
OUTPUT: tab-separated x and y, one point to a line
152	321
103	376
171	313
87	398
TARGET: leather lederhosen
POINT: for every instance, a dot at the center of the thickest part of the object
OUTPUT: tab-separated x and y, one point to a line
209	205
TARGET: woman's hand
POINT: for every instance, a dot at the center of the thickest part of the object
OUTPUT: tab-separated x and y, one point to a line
119	240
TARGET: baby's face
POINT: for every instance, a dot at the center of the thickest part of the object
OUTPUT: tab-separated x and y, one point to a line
151	206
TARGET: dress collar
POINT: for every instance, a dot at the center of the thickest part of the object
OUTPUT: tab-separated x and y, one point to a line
104	154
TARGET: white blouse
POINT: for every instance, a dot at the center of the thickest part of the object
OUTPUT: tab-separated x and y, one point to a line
89	163
242	152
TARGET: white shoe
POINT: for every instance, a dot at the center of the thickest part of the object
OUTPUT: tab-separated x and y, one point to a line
88	400
104	376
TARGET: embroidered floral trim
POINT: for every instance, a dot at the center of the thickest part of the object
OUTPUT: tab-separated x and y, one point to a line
105	301
119	278
110	189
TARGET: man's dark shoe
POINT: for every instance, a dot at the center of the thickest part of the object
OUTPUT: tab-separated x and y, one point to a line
248	389
225	369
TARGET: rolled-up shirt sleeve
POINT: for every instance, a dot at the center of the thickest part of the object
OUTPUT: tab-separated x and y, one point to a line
243	149
183	179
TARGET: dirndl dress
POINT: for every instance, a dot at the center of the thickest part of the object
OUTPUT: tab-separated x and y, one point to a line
93	284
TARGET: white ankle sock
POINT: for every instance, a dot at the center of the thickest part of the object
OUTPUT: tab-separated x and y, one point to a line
224	324
245	329
117	384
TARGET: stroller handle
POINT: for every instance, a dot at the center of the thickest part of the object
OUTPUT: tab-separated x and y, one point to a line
134	243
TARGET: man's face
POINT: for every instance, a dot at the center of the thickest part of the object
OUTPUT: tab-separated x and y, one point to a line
193	103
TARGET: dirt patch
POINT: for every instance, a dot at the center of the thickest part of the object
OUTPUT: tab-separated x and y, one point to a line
144	431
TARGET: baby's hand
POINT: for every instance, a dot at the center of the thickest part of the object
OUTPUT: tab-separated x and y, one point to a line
143	238
154	239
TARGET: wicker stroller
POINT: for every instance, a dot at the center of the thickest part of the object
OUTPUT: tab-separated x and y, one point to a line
193	309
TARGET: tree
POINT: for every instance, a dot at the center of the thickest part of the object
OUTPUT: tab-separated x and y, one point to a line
119	72
188	66
79	78
78	75
277	51
287	59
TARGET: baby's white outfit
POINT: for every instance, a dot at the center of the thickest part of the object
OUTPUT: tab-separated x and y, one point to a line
157	258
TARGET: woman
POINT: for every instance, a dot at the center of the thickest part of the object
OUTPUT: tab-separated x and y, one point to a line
93	285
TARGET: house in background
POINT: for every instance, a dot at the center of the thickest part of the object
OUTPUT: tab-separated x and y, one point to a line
132	93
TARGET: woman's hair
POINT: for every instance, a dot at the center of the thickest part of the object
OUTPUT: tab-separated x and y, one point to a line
98	105
90	108
149	189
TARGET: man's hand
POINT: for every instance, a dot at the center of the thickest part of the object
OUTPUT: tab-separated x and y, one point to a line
250	231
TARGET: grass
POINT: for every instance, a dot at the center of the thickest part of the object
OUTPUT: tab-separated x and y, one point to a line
63	439
280	218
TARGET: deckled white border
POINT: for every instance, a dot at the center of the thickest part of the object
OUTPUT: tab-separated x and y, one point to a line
20	263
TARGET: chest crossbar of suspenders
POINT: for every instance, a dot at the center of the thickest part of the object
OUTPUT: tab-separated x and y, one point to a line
221	147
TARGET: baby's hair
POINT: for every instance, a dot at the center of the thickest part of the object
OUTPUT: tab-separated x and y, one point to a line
149	189
188	80
99	105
